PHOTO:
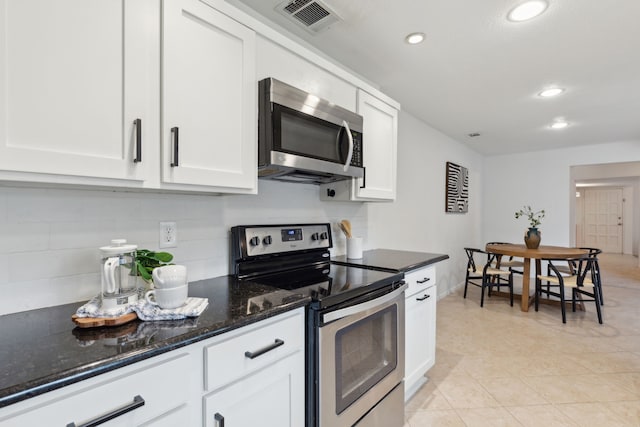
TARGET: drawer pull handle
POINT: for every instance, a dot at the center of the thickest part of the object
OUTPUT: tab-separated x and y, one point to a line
254	354
138	401
423	298
425	280
218	419
138	125
176	138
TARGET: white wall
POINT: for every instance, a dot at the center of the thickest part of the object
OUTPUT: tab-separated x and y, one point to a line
417	220
49	238
540	179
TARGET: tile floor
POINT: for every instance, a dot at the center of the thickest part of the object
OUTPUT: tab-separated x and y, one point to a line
497	366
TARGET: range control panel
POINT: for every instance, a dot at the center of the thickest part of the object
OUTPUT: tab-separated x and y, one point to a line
272	239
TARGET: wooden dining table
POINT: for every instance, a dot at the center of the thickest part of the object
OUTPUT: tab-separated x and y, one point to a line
521	251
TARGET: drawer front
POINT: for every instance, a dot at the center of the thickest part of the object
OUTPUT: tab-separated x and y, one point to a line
158	384
420	279
253	348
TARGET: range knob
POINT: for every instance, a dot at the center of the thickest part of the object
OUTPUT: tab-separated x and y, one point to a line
254	241
324	235
267	240
315	236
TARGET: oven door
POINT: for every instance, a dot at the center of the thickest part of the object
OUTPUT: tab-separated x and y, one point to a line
361	358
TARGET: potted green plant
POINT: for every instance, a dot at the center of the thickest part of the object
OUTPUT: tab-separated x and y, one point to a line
147	260
532	236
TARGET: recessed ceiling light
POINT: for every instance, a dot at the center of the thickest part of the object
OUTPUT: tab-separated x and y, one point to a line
415	38
559	125
551	92
527	10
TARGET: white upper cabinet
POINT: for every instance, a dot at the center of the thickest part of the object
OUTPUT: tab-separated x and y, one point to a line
380	143
72	84
209	99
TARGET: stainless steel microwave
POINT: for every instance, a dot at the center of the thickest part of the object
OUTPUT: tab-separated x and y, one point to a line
302	138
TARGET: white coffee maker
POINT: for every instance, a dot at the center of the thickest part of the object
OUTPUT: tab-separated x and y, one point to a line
119	281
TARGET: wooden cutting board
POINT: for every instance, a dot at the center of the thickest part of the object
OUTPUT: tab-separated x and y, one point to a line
92	322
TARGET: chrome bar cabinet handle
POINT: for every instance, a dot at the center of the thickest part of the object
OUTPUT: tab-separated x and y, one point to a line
174	131
253	354
138	401
138	124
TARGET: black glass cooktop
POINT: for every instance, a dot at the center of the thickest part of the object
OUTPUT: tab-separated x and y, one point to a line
330	284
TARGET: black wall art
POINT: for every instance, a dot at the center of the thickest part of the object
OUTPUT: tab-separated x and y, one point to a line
457	190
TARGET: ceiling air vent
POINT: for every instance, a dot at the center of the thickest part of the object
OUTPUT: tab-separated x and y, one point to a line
312	15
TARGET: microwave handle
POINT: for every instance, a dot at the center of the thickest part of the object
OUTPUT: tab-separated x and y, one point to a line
350	137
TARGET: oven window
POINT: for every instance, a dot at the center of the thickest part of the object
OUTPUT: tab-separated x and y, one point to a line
366	351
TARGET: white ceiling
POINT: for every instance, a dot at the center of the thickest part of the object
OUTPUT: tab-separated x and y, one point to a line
479	72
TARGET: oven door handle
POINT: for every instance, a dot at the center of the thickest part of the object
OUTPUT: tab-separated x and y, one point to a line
355	309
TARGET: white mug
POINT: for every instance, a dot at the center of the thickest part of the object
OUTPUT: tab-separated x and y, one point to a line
169	276
168	298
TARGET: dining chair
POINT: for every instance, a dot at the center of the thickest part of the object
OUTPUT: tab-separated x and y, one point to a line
570	268
485	272
583	282
512	263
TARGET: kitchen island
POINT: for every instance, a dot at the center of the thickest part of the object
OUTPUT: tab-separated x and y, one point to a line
42	351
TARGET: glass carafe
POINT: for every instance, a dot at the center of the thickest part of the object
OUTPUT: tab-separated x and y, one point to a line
119	284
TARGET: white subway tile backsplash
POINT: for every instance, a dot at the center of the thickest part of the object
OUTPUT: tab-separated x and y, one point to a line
81	234
4	278
28	296
25	266
50	238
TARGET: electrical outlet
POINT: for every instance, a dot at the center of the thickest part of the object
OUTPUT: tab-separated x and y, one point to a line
168	235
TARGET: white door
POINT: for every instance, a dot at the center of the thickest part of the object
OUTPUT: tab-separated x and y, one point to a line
379	148
209	98
72	83
603	219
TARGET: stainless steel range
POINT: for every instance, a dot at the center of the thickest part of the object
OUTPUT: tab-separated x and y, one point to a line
355	322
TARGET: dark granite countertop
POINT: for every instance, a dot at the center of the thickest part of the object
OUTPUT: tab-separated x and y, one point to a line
391	260
42	350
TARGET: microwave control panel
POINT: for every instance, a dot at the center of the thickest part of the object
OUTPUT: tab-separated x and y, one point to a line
356	159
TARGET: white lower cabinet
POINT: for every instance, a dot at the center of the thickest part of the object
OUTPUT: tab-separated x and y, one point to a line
251	376
256	377
146	393
273	397
420	327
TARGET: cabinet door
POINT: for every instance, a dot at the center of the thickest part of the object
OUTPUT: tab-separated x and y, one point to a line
272	397
420	328
72	83
209	98
380	139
